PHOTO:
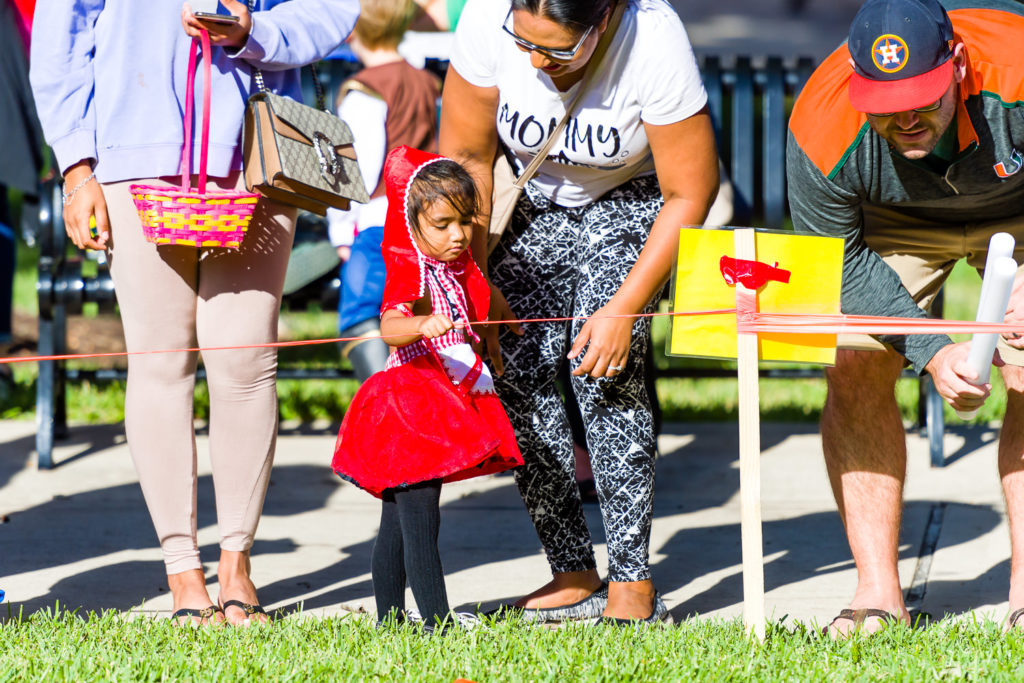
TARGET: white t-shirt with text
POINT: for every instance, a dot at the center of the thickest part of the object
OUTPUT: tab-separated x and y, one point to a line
649	74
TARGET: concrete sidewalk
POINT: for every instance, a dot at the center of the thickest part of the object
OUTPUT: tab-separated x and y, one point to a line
80	534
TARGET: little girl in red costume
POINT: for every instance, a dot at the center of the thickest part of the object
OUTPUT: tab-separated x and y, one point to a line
432	416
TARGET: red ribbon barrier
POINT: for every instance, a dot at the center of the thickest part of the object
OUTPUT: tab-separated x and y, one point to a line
794	323
746	323
334	340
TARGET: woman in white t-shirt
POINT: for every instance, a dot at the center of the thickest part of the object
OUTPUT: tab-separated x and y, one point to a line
593	235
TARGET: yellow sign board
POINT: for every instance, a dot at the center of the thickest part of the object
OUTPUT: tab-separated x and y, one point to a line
814	265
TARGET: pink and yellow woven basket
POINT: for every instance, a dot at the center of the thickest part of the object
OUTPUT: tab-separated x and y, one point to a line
187	216
171	215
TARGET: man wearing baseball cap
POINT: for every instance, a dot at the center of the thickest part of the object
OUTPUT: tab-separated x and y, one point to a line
908	142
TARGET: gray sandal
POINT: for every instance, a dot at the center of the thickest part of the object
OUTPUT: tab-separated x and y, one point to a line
589	607
659	616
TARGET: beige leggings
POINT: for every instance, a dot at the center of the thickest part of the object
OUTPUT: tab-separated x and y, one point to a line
182	297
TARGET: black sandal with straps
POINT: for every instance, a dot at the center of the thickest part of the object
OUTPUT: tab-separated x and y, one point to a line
246	607
1011	622
859	616
205	614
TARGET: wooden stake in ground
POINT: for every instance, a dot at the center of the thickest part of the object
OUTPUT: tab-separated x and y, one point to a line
750	451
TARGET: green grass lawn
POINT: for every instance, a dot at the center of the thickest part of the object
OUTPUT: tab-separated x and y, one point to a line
110	647
64	646
681	399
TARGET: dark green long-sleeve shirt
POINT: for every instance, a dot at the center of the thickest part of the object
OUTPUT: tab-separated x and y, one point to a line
836	164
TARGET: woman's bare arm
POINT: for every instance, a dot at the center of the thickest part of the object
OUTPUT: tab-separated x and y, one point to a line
686	162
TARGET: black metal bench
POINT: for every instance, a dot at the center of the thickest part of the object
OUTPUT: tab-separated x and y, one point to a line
750	106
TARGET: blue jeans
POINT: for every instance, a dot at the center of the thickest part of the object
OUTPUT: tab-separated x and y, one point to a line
362	292
362	280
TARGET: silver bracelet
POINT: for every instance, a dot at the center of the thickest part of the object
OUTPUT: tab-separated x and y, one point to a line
68	197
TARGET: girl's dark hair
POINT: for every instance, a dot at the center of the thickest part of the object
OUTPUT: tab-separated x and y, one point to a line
445	180
567	12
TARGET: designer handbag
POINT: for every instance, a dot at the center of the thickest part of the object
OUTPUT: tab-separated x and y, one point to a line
299	155
506	188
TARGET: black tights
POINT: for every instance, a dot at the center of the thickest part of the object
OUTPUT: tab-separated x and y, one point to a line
406	547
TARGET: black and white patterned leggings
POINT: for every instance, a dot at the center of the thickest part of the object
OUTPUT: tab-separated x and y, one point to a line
558	262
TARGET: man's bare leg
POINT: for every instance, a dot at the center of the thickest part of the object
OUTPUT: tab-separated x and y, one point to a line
1011	472
866	457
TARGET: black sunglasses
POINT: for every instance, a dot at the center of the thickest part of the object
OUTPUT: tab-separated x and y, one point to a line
934	106
557	54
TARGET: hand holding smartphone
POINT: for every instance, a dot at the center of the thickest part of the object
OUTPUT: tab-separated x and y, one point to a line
214	18
225	30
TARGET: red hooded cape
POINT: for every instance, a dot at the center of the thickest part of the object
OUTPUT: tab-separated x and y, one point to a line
409	423
405	281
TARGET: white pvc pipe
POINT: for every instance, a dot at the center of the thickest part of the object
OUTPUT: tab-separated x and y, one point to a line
999	245
995	297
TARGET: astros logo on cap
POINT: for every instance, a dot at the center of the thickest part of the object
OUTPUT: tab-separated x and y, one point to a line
890	53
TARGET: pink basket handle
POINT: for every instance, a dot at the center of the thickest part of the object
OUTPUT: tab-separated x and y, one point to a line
190	89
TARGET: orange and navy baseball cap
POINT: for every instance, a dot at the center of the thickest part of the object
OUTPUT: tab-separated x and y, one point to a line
902	53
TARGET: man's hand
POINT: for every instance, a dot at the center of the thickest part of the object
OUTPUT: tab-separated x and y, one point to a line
87	203
952	377
224	35
1015	313
489	333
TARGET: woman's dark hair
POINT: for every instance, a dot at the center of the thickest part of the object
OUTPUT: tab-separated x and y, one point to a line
445	180
585	13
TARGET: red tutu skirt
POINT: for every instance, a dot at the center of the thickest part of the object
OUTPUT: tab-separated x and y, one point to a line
411	423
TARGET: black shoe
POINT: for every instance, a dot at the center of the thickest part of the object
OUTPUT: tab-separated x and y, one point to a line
399	618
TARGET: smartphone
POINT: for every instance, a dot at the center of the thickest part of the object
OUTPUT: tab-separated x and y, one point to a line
215	18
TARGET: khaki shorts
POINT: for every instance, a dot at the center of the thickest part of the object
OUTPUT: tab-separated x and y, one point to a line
923	255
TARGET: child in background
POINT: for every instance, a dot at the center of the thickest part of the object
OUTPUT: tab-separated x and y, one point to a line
387	104
433	416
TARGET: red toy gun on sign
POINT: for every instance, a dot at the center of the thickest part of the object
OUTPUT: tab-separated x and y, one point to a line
751	274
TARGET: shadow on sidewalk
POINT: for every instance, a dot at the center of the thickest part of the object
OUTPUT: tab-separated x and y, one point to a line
17	454
482	528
